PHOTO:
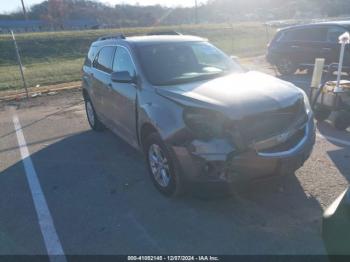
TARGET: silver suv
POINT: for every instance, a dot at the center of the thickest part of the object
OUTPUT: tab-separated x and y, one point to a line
194	112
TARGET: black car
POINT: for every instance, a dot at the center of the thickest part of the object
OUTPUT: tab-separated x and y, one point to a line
194	112
297	47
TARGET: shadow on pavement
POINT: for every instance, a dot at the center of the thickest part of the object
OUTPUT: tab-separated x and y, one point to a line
341	159
326	128
341	156
103	202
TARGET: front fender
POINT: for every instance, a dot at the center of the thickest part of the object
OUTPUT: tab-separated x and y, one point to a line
165	117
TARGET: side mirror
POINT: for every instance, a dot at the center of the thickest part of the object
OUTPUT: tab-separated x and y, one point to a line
122	77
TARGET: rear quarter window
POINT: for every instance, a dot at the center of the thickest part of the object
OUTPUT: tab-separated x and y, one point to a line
334	33
104	59
90	56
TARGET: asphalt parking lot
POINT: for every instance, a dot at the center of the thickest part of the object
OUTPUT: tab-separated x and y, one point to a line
101	200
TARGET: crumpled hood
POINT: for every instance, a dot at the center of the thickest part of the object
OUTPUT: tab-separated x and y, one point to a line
237	95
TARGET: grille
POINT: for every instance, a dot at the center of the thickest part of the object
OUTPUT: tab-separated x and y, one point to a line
290	143
268	124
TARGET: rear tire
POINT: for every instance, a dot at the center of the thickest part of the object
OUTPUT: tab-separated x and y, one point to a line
286	66
162	167
92	117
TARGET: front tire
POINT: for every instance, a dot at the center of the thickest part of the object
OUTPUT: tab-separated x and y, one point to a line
92	117
162	165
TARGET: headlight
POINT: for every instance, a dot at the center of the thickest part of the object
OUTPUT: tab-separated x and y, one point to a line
205	124
306	102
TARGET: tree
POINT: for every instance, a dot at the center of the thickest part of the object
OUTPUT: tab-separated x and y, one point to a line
57	11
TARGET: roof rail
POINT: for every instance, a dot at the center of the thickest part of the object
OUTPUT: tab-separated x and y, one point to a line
171	32
106	37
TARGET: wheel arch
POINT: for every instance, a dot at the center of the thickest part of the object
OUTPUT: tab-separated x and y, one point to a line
85	93
146	130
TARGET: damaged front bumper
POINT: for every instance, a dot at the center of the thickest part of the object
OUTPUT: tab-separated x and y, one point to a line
218	160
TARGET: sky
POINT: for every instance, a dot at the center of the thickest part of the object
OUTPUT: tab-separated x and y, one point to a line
12	5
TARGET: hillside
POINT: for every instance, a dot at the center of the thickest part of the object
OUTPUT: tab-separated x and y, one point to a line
56	12
57	57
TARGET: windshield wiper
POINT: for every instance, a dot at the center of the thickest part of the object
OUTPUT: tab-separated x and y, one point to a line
177	81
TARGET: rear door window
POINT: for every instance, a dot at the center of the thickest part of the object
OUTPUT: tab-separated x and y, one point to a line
306	35
104	59
90	56
290	36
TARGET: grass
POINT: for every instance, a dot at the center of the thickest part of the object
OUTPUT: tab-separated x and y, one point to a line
57	57
44	73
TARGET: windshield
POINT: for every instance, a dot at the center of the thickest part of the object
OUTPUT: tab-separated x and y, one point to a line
169	64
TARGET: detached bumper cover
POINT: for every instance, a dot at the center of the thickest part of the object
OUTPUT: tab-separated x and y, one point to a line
218	160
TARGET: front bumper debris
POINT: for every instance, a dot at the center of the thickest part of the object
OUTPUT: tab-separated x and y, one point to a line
218	160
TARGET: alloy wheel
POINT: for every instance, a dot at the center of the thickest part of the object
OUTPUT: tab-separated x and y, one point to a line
90	113
159	165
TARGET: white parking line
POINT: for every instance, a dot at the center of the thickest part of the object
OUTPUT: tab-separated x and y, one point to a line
52	242
333	139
